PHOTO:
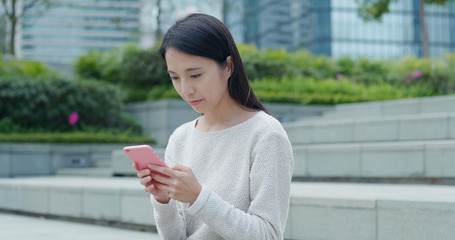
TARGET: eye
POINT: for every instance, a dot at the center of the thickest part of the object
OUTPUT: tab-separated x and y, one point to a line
196	75
173	78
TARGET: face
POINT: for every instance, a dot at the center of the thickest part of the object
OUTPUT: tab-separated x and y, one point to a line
200	81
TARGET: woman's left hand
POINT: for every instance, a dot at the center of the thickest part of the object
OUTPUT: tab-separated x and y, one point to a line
181	184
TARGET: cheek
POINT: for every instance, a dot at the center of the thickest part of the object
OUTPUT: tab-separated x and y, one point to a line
176	87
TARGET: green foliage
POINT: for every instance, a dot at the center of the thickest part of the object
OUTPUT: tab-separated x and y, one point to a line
134	69
437	74
374	9
142	74
162	92
75	137
306	90
280	63
25	68
142	68
44	105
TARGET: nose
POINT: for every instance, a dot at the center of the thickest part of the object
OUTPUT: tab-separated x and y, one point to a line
186	87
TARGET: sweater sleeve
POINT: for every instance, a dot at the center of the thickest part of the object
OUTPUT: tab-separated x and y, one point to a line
169	219
270	179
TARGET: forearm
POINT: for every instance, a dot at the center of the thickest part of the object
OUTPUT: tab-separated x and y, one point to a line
233	223
169	222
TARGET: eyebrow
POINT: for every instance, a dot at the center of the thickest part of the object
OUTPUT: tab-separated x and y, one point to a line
187	70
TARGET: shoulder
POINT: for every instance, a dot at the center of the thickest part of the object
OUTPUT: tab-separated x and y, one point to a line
265	131
267	124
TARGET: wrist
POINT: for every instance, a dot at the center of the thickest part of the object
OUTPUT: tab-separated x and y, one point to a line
162	200
198	192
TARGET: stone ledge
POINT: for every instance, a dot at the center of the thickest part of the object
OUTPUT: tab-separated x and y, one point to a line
432	126
437	104
317	210
413	159
31	159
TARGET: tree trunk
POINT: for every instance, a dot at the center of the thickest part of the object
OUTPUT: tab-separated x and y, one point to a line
423	30
12	44
158	33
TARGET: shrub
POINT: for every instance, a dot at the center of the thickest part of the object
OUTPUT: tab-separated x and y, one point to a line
75	137
437	74
305	90
134	69
38	105
142	74
142	69
25	68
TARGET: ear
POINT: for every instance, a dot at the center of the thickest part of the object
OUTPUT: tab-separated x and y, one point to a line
229	68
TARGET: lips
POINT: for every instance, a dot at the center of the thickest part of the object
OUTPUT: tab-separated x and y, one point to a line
194	103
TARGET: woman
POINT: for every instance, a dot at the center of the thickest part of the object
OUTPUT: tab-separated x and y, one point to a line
232	167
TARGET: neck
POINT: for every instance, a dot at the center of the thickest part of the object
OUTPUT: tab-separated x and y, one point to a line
227	114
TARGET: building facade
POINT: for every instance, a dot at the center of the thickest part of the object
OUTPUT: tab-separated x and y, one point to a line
333	28
71	28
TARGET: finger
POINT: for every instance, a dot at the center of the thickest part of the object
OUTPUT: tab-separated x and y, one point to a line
143	173
134	166
146	180
166	171
150	188
163	187
162	179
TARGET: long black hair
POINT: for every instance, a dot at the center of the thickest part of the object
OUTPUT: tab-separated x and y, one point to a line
205	36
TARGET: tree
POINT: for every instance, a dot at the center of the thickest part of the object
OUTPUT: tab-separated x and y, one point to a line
14	11
374	9
2	33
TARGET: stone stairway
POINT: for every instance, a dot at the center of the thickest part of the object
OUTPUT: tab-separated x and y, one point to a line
360	146
379	141
348	211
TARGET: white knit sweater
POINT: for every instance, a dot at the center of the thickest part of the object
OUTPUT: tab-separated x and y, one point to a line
245	172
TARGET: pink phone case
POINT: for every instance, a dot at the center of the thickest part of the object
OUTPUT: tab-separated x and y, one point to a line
144	155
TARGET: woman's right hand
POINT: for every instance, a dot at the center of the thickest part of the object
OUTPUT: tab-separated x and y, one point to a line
147	180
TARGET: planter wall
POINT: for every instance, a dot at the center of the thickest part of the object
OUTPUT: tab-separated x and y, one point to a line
31	159
160	118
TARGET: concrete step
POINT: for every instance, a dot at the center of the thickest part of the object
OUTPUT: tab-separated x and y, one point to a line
411	159
317	210
103	161
31	159
438	104
17	227
430	126
95	172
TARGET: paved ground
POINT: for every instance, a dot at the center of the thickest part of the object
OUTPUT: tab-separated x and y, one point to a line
16	227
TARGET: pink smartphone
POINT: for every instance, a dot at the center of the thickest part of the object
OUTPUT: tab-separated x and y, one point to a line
144	155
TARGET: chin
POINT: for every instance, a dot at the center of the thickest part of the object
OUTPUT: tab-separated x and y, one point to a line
196	109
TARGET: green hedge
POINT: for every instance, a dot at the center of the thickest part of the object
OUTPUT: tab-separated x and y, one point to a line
44	105
75	137
152	82
25	68
306	90
135	70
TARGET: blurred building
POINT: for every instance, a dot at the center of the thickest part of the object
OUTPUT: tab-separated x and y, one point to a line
333	28
71	28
